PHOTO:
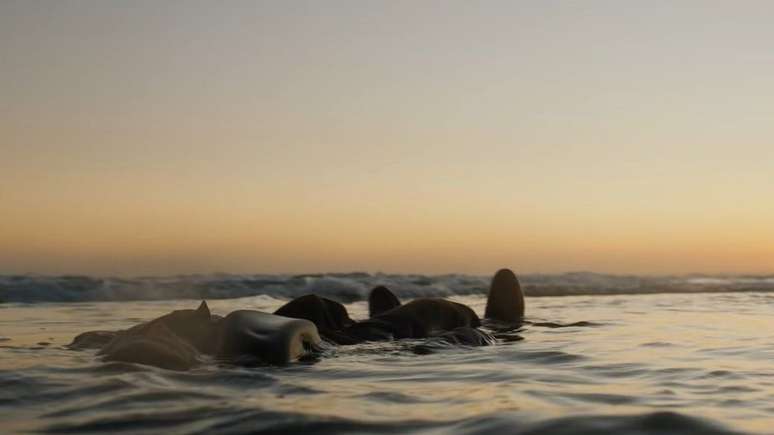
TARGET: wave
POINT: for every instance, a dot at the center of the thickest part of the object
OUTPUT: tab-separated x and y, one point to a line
240	421
349	287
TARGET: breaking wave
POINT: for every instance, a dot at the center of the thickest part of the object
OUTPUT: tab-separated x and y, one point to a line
349	287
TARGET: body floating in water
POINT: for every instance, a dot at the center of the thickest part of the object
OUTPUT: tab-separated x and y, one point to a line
179	339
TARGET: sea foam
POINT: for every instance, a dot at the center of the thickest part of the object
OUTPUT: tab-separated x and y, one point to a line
349	287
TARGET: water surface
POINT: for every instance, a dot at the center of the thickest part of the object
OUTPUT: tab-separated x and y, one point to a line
685	363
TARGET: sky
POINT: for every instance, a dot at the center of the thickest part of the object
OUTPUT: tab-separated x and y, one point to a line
153	138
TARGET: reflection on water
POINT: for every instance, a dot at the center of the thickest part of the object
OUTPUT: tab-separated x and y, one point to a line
705	356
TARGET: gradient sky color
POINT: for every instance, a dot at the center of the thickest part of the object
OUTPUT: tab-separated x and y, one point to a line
151	137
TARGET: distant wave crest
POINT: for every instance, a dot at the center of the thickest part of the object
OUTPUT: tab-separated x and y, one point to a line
349	287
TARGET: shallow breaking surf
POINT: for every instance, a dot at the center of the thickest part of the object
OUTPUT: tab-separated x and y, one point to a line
349	287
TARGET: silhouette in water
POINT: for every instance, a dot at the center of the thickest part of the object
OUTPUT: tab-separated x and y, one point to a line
180	339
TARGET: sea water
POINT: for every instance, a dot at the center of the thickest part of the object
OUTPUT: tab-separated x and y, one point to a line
644	363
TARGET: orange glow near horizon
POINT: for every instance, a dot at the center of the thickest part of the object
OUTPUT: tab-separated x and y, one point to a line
386	137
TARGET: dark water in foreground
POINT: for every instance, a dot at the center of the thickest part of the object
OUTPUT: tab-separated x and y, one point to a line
665	363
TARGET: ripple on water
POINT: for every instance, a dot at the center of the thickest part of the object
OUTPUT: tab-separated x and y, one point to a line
555	357
39	390
657	344
236	378
603	398
630	365
135	400
228	420
184	420
393	397
722	374
655	423
618	370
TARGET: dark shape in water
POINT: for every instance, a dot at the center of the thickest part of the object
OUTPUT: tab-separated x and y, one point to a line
274	339
505	301
381	299
178	340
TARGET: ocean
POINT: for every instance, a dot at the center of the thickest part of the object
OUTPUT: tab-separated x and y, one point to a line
662	355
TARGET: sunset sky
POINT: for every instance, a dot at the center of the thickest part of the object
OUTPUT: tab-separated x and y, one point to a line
147	137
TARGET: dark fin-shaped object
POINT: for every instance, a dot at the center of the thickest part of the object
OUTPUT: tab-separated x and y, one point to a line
380	300
203	310
505	302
